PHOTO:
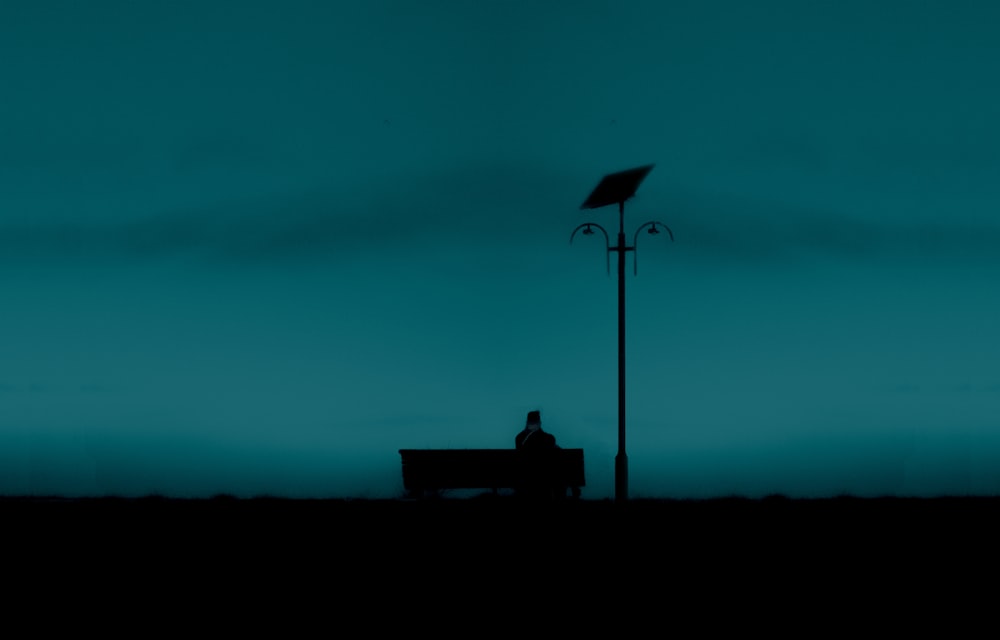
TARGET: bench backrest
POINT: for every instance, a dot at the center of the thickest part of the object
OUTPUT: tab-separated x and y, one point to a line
490	468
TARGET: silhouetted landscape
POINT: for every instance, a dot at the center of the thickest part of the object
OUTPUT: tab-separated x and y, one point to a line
774	524
291	254
444	557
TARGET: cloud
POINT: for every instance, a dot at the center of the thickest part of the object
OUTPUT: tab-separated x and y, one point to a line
468	204
757	230
495	202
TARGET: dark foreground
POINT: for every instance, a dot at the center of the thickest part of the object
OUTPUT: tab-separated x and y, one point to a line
478	523
450	550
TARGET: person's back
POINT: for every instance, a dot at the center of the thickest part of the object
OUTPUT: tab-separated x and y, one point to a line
532	437
536	467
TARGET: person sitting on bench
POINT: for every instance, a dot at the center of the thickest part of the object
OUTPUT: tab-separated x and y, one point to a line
533	441
532	438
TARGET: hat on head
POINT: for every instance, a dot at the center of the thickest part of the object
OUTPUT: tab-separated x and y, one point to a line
534	417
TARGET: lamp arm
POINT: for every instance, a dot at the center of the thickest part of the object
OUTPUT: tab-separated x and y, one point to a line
586	226
635	239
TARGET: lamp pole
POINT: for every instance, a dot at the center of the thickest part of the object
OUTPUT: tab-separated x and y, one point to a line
617	188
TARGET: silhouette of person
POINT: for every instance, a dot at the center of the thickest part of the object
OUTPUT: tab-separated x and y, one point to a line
537	470
532	438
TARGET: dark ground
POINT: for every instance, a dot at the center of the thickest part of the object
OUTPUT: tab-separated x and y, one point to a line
446	553
483	523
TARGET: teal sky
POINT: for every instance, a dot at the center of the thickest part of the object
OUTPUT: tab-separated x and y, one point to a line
258	247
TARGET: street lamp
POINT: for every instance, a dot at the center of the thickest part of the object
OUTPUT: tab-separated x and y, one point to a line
617	188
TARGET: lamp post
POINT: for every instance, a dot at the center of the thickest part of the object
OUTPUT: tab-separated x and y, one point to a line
617	188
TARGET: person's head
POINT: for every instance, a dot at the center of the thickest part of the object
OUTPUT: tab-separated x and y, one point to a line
534	421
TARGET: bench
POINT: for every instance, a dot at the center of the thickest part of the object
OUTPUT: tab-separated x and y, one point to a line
555	471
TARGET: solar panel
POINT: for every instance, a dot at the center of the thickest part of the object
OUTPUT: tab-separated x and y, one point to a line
616	187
